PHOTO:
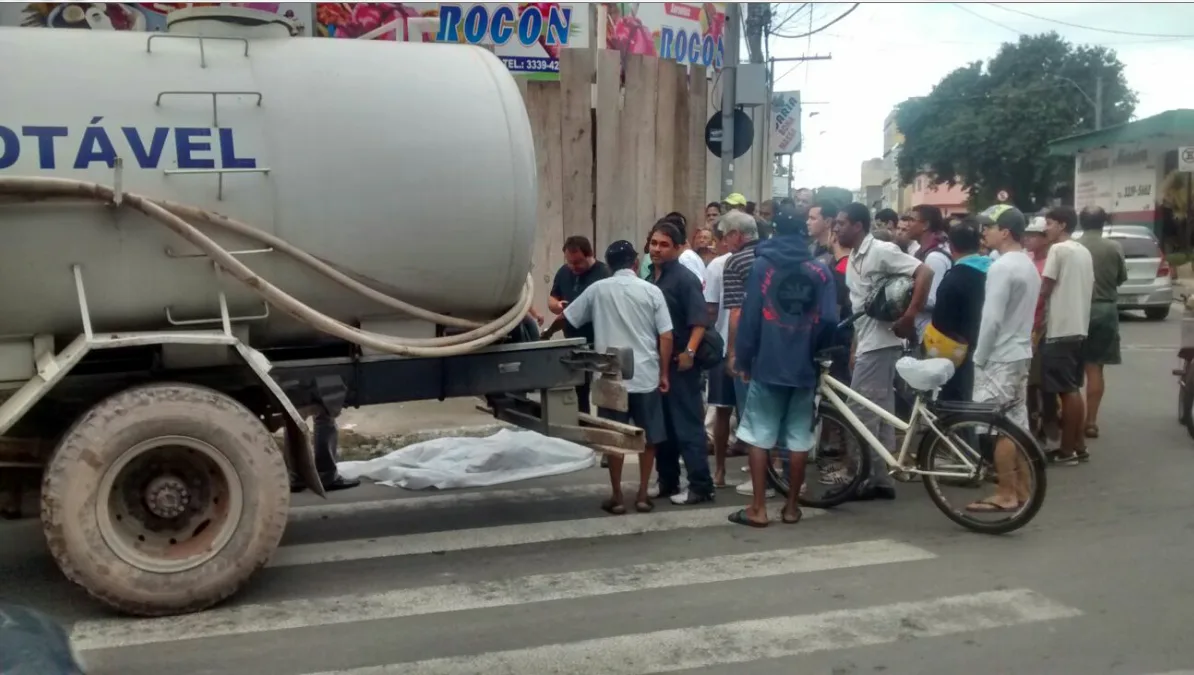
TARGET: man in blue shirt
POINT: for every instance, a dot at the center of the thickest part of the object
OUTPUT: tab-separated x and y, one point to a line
790	311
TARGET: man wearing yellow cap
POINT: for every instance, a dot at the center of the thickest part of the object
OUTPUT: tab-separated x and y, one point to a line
734	200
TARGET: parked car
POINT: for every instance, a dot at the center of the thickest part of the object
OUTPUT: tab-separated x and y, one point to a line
1149	286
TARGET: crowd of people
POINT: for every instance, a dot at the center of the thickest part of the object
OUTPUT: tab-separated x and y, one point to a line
731	322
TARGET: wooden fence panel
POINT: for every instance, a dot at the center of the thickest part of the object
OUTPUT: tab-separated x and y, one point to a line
576	77
611	176
638	139
543	107
666	139
695	155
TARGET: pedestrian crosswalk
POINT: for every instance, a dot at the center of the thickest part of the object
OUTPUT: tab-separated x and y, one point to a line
537	597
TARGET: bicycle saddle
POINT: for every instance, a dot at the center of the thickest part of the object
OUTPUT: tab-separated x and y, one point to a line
926	374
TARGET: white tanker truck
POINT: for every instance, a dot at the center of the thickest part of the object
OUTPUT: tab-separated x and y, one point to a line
209	235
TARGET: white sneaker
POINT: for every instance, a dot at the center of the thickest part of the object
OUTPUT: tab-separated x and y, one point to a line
747	490
653	491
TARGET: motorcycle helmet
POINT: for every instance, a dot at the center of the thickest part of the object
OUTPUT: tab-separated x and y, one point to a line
890	298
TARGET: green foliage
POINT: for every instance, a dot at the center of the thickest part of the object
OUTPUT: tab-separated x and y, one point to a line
988	127
838	194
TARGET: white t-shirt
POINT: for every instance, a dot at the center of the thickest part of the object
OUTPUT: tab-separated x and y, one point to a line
1009	305
714	274
1068	312
693	262
625	312
940	262
870	262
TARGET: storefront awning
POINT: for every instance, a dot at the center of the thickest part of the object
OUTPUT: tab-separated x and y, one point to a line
1175	124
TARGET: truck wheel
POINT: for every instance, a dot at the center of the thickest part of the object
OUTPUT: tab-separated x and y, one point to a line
165	499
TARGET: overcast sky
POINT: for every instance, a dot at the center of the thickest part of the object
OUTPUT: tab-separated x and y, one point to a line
885	53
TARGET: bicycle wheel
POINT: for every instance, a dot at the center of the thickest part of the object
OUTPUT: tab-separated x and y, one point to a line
837	466
975	435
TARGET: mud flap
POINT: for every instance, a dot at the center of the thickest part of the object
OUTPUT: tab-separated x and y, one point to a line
300	452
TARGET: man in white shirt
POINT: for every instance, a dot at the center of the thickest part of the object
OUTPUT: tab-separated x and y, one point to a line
627	311
1068	283
1003	351
721	384
877	345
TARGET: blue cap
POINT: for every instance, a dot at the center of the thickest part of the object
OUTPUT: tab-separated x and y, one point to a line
790	220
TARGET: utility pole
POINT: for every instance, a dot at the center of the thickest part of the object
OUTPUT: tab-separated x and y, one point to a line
1098	102
729	95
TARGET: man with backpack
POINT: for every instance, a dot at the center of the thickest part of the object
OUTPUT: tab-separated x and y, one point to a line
930	245
789	313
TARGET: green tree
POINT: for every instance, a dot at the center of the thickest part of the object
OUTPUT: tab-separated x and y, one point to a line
988	127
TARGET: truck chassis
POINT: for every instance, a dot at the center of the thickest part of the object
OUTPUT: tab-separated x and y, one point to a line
169	487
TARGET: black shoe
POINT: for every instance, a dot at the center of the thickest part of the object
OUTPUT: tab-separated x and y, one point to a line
869	493
340	483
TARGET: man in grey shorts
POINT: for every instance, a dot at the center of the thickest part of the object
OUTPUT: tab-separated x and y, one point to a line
877	344
628	312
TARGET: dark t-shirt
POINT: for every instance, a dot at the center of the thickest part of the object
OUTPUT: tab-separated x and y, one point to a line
568	287
685	301
959	307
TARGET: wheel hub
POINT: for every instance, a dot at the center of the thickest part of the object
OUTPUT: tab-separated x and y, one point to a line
167	496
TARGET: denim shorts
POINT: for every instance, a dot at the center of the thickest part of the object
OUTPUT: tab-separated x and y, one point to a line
777	417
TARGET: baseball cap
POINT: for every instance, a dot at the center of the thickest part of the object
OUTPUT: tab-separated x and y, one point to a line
790	220
618	251
1004	217
1037	226
734	199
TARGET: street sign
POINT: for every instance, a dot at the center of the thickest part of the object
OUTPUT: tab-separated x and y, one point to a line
744	134
785	122
1185	159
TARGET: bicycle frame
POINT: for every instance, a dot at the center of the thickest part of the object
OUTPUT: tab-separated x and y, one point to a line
829	389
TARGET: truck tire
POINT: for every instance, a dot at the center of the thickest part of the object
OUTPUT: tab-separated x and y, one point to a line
164	499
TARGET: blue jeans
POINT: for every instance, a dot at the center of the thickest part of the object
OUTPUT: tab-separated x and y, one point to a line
683	414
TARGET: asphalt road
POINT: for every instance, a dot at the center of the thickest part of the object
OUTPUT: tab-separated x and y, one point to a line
532	579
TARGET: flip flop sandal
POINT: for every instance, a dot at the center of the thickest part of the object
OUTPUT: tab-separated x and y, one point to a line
644	507
791	521
740	517
989	505
613	508
1092	431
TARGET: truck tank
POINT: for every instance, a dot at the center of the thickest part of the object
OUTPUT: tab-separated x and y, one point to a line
408	167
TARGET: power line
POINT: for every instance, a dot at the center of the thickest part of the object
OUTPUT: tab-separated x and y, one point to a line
1090	28
814	31
971	12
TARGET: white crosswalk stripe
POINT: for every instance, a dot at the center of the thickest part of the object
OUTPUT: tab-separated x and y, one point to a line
262	625
745	641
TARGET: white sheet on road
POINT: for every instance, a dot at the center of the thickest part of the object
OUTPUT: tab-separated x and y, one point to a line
445	463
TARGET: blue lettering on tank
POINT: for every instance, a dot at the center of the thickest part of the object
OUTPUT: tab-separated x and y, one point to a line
189	140
95	147
228	153
476	23
146	158
45	143
99	144
10	147
449	23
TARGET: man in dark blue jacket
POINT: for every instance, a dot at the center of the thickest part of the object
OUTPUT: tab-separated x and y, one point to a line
790	311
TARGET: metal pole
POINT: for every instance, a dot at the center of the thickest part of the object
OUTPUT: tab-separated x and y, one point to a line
729	96
1098	102
766	157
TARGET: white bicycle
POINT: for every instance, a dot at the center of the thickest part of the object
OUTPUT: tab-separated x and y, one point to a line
956	448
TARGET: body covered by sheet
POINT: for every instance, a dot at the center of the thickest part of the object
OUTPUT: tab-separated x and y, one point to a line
444	463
